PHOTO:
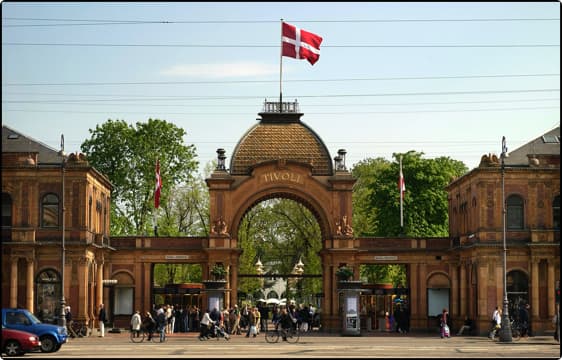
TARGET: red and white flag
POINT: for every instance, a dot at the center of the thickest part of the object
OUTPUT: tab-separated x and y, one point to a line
300	44
158	187
401	183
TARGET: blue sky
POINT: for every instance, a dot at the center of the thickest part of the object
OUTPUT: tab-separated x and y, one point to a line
446	79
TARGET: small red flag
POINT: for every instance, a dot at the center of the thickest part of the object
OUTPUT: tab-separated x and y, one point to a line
158	187
401	183
300	44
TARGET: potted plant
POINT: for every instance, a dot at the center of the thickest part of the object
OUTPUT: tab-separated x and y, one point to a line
218	271
344	273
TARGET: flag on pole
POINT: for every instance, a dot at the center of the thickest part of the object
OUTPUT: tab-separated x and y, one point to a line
300	44
401	182
158	187
401	189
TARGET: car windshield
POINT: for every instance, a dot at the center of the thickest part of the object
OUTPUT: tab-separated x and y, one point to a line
33	318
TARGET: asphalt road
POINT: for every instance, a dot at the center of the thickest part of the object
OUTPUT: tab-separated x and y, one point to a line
380	345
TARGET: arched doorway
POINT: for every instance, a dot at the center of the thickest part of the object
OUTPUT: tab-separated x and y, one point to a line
281	157
517	290
48	290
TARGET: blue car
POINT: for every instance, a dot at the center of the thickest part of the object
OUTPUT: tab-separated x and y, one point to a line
51	336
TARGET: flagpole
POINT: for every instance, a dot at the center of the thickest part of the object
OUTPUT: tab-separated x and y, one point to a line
281	71
401	198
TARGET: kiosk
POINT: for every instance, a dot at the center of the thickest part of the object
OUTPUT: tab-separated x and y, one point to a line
350	291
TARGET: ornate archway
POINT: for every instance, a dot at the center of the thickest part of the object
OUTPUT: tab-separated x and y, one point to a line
281	157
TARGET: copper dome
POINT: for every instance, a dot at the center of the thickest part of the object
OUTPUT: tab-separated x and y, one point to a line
280	136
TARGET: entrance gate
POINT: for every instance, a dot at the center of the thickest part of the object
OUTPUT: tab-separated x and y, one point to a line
281	157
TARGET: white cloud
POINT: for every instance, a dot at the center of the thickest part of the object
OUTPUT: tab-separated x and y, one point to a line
242	69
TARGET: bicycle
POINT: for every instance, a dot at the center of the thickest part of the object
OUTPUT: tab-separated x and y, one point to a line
138	337
291	334
79	328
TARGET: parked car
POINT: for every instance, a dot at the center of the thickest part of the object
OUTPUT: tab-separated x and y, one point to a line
51	336
17	342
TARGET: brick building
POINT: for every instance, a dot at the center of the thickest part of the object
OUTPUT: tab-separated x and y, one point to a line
467	267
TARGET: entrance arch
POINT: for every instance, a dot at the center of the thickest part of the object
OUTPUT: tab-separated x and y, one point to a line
281	157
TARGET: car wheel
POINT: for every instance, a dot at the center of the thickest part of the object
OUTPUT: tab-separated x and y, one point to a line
48	344
13	348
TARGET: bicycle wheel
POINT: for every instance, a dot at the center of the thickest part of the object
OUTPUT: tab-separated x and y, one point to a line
272	336
137	336
293	335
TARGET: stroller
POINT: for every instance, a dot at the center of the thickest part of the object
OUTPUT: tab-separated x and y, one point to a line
218	332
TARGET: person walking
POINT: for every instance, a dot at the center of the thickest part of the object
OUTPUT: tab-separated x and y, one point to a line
524	319
162	323
496	322
101	320
149	324
69	322
466	326
236	321
205	324
445	331
136	323
251	323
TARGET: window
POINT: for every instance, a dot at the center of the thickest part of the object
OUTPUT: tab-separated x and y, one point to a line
514	212
556	213
50	211
48	292
123	300
6	217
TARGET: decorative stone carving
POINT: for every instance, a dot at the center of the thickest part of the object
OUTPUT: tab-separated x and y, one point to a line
489	160
219	227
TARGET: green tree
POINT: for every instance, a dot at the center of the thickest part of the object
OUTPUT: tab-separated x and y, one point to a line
127	155
425	201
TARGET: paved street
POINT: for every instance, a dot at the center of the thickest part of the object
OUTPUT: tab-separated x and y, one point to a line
316	346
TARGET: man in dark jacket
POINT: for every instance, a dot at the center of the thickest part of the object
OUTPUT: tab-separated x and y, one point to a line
101	320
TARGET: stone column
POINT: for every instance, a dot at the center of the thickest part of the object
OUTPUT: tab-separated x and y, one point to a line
551	283
30	288
482	292
535	288
146	285
233	284
14	283
99	283
463	298
454	273
83	275
414	293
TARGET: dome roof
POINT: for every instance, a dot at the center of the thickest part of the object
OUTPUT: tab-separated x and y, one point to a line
280	136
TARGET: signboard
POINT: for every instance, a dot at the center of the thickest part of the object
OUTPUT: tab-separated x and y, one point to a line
176	257
385	257
351	322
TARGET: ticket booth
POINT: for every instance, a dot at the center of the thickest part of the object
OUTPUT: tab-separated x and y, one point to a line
349	297
215	291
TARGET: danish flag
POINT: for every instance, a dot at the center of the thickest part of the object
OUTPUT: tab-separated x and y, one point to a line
300	44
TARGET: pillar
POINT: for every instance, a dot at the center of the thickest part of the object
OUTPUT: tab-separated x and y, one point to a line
535	288
83	275
463	297
14	283
233	299
550	287
30	293
99	289
454	273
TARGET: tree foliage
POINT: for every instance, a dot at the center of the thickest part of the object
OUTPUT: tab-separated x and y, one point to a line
279	232
127	154
425	201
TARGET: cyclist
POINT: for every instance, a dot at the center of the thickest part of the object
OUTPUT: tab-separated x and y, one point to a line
286	322
149	325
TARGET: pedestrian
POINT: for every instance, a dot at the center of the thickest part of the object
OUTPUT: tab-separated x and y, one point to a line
445	331
467	325
286	322
205	324
149	324
251	323
136	323
162	323
101	320
496	322
69	322
524	319
236	323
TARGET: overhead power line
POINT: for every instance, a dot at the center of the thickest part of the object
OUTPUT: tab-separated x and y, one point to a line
97	22
276	46
274	81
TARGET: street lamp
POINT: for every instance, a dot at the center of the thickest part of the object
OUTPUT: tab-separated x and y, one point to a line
62	318
505	333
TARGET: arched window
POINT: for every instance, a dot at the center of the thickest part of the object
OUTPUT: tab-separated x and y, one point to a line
48	292
556	212
6	217
50	211
514	212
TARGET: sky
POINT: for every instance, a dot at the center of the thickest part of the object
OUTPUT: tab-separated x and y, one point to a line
442	78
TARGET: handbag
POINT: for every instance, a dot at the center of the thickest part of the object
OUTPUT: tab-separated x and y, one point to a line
253	330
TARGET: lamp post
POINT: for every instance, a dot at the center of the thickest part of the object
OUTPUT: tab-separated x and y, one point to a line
505	332
62	318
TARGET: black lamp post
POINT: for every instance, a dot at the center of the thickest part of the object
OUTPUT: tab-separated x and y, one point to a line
62	318
505	332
